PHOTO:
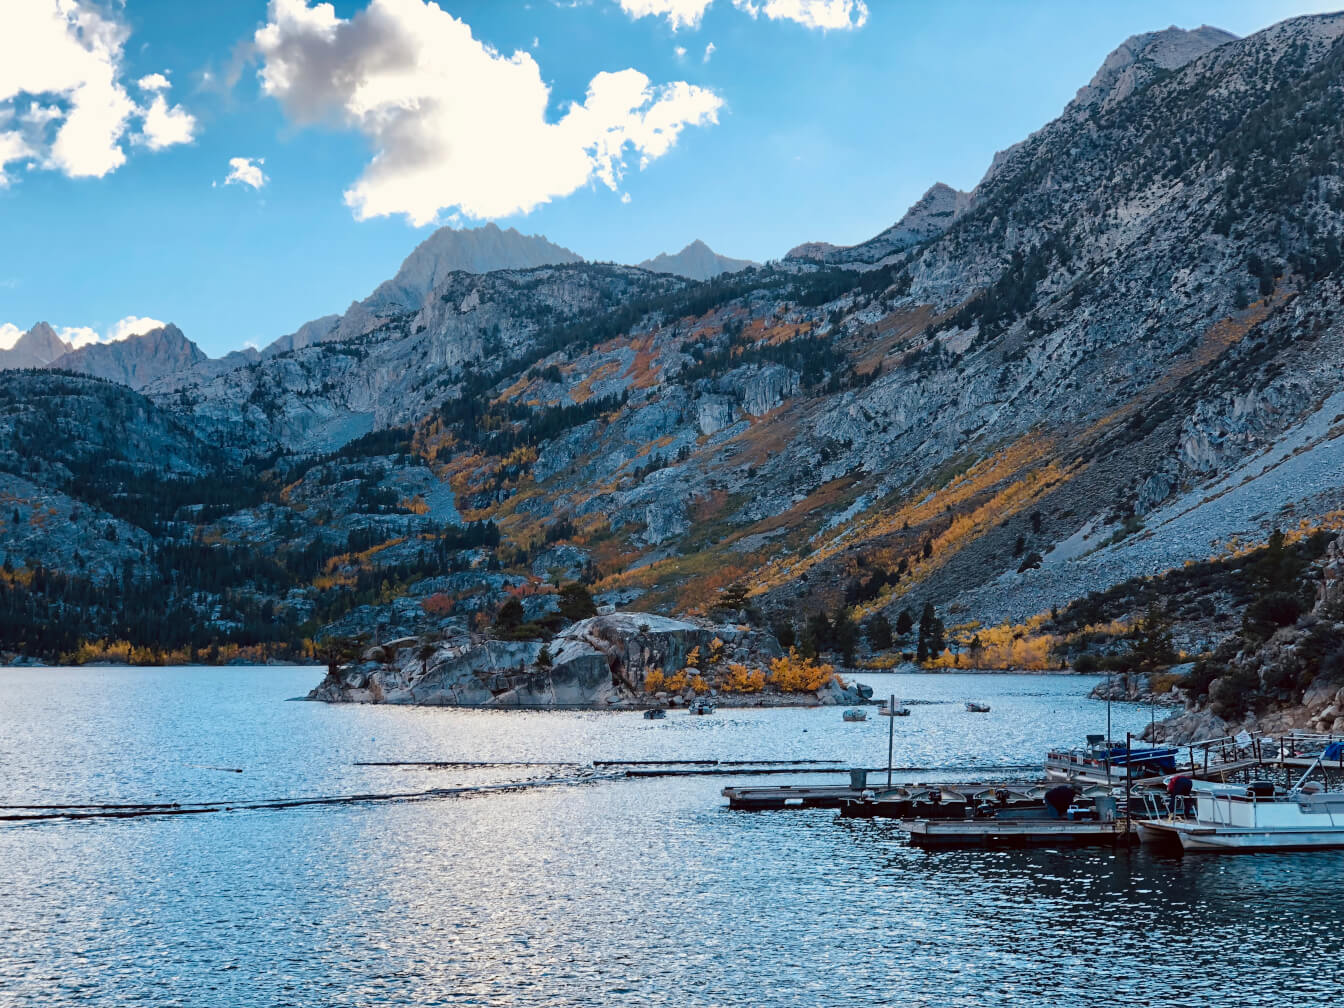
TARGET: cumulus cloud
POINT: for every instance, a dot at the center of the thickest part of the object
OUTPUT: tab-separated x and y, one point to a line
679	13
709	51
61	78
823	14
165	126
246	171
457	125
9	335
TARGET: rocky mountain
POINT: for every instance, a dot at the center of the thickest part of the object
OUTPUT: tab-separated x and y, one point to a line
136	361
931	215
36	348
1115	359
448	250
697	261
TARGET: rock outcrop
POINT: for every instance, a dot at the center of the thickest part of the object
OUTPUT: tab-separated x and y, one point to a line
622	659
1294	681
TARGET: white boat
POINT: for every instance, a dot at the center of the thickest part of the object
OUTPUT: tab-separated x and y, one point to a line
976	708
1254	817
855	714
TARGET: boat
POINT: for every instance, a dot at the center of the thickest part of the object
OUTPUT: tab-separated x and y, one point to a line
701	705
1101	762
855	714
977	708
1229	818
886	711
655	714
1063	817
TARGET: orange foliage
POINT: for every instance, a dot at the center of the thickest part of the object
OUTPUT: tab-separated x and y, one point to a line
653	681
743	680
438	604
795	674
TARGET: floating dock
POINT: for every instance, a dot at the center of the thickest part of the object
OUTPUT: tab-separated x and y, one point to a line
1017	832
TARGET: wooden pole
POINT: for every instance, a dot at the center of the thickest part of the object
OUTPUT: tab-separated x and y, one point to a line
891	736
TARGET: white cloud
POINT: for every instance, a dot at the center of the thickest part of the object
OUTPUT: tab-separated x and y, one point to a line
68	54
9	335
709	51
455	124
131	325
823	14
679	52
165	126
246	171
679	13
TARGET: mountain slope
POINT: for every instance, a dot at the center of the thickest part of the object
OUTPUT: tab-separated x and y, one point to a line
1119	355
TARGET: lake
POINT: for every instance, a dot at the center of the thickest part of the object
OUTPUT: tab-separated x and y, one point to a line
637	892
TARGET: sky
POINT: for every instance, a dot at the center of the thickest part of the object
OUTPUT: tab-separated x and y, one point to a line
239	167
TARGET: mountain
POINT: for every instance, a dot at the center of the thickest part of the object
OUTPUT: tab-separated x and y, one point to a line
136	361
1094	383
1130	67
697	261
448	250
931	215
36	348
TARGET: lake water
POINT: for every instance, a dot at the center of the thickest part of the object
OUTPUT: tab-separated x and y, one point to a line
641	892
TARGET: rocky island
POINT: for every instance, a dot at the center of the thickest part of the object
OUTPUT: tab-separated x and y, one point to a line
617	660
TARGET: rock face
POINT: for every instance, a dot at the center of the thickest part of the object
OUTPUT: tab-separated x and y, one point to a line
136	361
601	662
697	261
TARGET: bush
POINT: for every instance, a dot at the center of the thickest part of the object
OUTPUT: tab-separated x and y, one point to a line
1233	694
1332	667
1196	681
1087	663
1268	613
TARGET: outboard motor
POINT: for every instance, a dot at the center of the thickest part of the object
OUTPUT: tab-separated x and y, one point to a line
1059	799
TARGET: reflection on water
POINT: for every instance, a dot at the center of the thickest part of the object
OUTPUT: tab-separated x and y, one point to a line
625	893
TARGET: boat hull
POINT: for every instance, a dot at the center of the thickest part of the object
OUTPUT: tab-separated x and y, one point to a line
1257	841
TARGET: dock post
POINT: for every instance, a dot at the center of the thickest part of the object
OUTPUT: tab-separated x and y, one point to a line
1128	777
891	736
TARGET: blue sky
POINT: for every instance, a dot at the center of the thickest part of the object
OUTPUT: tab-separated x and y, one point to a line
786	133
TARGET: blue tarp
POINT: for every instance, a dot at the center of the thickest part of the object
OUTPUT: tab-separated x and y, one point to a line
1334	751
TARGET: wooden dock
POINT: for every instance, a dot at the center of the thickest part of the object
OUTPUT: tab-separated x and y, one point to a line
789	796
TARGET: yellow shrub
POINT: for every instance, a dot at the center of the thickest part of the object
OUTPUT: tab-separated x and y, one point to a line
698	683
795	674
653	681
743	680
693	659
676	683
